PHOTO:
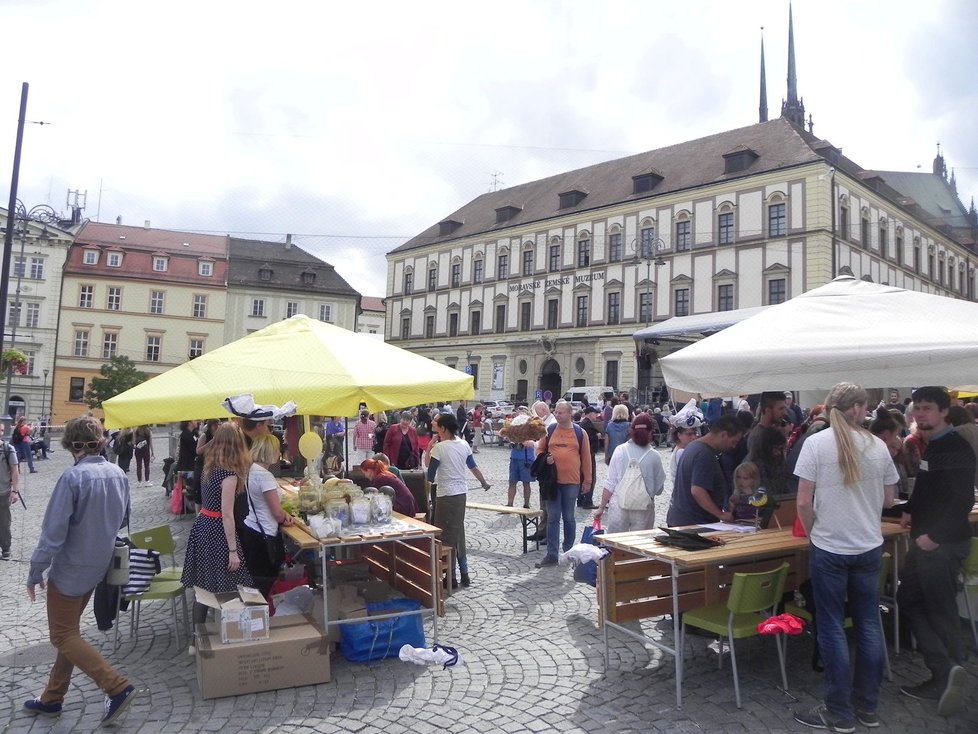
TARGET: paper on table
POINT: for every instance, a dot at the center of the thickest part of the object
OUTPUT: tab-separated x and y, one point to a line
730	527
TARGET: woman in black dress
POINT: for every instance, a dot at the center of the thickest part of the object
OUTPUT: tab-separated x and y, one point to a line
215	559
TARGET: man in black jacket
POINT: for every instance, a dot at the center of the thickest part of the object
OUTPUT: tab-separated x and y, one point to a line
937	515
585	500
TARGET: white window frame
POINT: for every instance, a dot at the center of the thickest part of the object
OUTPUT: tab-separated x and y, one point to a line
109	296
32	317
196	344
37	268
258	307
326	312
86	296
114	259
81	343
153	302
90	257
154	342
291	309
205	268
160	264
199	308
110	344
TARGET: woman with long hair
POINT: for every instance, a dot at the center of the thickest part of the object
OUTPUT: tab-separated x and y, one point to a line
846	478
768	453
215	559
261	540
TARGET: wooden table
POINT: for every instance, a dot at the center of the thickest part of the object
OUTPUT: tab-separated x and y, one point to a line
641	578
397	557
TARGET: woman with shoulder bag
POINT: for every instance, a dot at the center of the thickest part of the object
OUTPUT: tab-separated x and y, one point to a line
261	540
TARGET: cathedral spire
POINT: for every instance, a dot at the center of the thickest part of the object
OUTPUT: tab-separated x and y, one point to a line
792	110
762	107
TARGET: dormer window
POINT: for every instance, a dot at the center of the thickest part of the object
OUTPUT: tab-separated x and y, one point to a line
309	278
645	182
570	198
505	213
90	257
205	268
265	273
114	259
739	159
448	226
160	264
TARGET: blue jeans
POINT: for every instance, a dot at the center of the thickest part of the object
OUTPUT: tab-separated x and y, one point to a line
836	579
562	508
24	453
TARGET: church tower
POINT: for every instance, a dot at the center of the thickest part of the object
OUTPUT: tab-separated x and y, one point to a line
793	110
762	107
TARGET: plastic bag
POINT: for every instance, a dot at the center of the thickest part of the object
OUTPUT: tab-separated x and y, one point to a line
587	573
384	638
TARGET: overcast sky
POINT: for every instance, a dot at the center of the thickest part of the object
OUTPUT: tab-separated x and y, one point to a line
355	128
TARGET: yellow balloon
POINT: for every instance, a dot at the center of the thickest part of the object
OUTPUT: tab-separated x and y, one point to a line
310	445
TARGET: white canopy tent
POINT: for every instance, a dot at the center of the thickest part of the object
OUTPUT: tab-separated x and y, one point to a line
847	330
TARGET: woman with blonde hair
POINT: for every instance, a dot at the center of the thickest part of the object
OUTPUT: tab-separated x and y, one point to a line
846	478
616	432
214	559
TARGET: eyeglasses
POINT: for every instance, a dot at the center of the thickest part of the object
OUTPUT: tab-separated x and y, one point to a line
79	445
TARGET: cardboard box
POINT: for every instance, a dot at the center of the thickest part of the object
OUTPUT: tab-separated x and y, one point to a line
296	653
345	602
243	615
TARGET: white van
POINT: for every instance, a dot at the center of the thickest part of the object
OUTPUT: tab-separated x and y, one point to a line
592	394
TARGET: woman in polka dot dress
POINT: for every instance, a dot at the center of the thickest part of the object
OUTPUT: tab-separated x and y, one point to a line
215	560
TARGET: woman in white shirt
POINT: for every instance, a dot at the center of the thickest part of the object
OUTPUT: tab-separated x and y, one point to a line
449	459
261	541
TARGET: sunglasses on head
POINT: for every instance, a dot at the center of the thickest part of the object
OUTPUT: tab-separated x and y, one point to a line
79	445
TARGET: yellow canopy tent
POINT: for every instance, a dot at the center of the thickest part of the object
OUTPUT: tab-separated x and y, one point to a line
326	370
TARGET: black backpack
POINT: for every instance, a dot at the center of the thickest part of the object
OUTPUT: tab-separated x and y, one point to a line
18	437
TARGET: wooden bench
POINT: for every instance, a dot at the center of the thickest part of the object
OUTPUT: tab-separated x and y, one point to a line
529	518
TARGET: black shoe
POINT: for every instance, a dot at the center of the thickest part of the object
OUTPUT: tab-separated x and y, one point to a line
548	561
929	690
867	719
465	580
588	507
454	583
820	718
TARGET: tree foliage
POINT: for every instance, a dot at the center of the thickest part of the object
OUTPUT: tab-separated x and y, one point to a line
117	375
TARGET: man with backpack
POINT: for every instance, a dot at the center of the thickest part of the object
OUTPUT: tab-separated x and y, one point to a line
570	452
9	492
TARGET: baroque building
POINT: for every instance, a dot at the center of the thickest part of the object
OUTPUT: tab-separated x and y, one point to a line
541	286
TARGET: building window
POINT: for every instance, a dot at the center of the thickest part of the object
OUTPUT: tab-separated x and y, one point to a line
257	306
432	279
776	291
31	355
582	315
113	301
614	247
682	302
81	343
776	224
526	316
291	309
500	325
647	236
554	264
864	231
611	373
478	270
308	278
20	267
156	302
884	241
684	237
725	297
453	324
196	348
205	268
475	322
898	242
90	257
265	274
553	313
916	255
502	266
325	312
200	307
405	327
114	259
528	262
614	308
76	389
429	326
33	315
456	275
14	317
86	295
844	222
930	265
37	268
160	264
583	252
725	225
110	344
153	348
940	271
645	307
408	281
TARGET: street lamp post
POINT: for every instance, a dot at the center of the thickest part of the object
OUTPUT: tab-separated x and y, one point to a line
44	398
648	250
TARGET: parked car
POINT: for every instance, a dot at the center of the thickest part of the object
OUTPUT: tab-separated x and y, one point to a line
497	408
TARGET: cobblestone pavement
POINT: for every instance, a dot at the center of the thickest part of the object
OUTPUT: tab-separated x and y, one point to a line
533	658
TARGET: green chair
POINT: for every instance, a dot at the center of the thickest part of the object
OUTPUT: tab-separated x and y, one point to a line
161	540
753	598
970	571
